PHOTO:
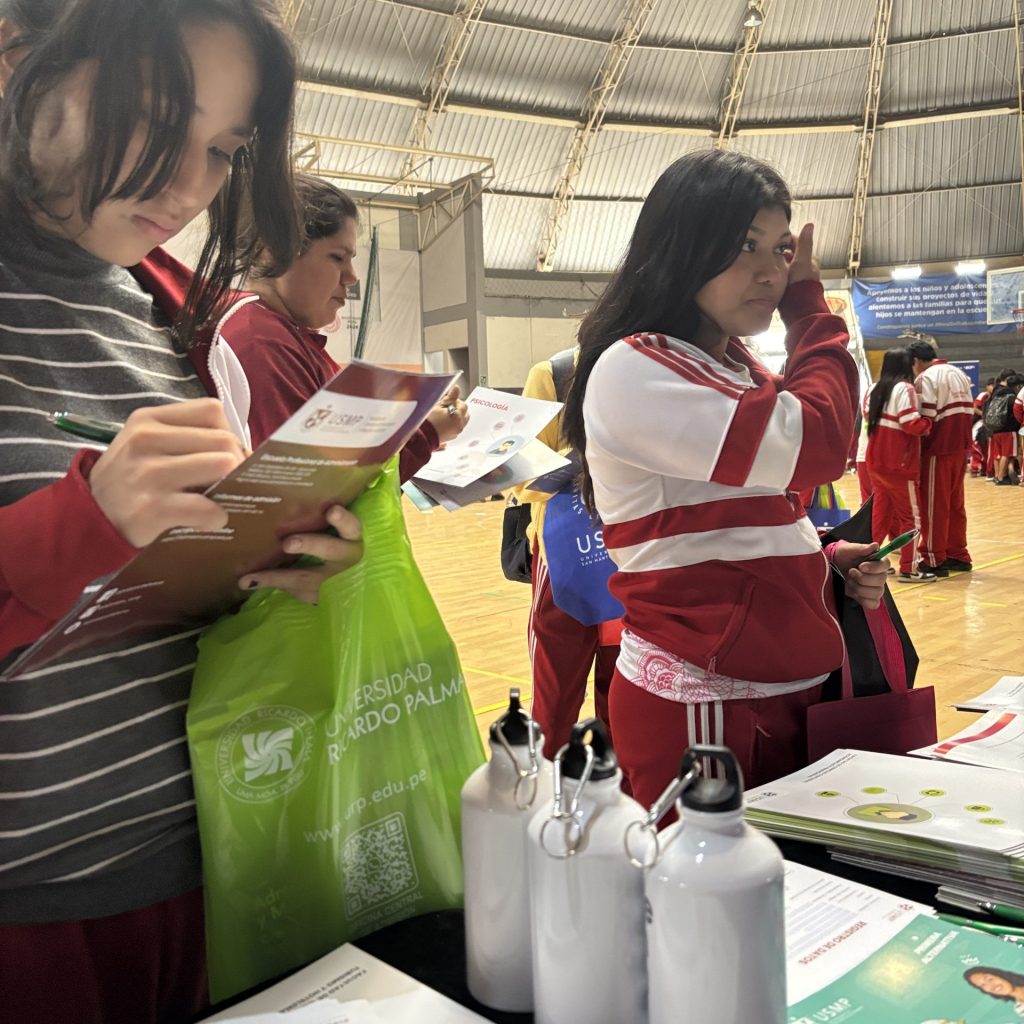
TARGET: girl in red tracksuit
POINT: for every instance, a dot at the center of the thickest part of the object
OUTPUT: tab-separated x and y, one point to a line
693	456
895	427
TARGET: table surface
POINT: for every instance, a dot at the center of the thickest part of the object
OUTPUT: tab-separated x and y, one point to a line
431	948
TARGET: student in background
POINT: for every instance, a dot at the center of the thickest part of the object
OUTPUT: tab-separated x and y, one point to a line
563	651
1003	443
981	460
276	331
863	472
945	393
119	124
693	453
895	427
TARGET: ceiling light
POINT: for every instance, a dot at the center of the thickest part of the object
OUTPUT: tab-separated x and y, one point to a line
905	273
755	19
971	267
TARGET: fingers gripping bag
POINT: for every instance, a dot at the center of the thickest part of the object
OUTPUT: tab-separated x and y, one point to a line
329	745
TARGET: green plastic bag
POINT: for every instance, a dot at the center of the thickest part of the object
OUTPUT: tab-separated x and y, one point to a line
329	745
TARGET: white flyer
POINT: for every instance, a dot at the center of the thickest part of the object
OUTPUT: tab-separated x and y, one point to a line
996	740
535	459
346	977
1007	693
833	924
500	425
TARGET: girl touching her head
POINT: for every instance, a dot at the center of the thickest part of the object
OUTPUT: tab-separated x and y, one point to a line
693	456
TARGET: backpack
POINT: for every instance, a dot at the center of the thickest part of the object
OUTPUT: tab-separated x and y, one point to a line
998	417
516	555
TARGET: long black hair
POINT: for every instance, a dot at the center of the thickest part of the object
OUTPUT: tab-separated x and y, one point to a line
140	58
691	228
897	366
1017	980
323	211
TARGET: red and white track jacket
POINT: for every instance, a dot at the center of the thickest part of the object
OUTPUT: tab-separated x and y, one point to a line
1018	406
946	400
694	464
894	446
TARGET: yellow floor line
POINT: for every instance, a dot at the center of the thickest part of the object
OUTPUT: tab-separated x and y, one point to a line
961	575
991	604
496	675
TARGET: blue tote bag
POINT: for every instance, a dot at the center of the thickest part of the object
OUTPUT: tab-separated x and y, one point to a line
578	564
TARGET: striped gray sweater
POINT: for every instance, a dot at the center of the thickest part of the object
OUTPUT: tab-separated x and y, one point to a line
97	813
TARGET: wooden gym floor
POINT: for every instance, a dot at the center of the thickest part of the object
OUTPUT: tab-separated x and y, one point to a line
968	629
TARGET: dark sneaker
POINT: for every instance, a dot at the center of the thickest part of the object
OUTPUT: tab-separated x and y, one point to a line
918	577
1005	482
955	565
936	570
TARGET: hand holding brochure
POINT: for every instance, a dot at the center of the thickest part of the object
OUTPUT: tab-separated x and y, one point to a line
324	455
500	426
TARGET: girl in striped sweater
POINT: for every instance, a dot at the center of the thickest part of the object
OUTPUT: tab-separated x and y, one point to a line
693	455
895	426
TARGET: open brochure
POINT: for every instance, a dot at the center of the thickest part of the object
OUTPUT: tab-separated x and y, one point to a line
352	982
1007	694
533	460
501	425
996	740
929	973
326	454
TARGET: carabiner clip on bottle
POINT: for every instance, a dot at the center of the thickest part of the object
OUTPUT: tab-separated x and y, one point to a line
658	810
526	778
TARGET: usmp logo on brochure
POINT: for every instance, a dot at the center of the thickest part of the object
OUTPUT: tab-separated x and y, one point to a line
263	754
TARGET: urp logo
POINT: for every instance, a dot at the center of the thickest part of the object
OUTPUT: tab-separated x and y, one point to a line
262	754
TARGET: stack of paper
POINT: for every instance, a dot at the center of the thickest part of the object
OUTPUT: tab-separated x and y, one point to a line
1007	694
349	986
954	817
996	740
498	449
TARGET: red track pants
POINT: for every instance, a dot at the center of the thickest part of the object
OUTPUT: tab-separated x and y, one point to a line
896	509
943	516
562	651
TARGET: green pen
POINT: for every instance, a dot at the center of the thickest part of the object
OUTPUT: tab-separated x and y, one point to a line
901	541
982	926
85	427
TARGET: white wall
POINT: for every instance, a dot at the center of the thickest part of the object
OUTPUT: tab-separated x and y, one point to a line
514	344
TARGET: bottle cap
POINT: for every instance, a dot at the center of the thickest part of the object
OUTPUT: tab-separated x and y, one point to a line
515	724
592	732
714	796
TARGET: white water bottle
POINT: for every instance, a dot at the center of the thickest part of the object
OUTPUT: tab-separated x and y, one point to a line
497	801
586	901
715	919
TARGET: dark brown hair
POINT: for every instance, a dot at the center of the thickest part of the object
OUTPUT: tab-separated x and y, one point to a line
141	63
323	212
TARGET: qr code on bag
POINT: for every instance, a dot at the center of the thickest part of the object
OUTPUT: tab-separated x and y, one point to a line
378	864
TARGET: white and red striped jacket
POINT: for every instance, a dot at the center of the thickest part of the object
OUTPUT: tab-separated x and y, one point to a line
894	446
946	399
694	464
1018	406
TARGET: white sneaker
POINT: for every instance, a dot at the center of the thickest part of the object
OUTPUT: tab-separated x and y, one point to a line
918	577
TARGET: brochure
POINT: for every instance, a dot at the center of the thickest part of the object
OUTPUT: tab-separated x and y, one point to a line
832	924
1008	693
955	816
500	425
348	974
536	458
929	973
996	740
326	454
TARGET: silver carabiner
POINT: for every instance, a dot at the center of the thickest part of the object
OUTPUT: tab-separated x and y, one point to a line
524	776
658	810
569	818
